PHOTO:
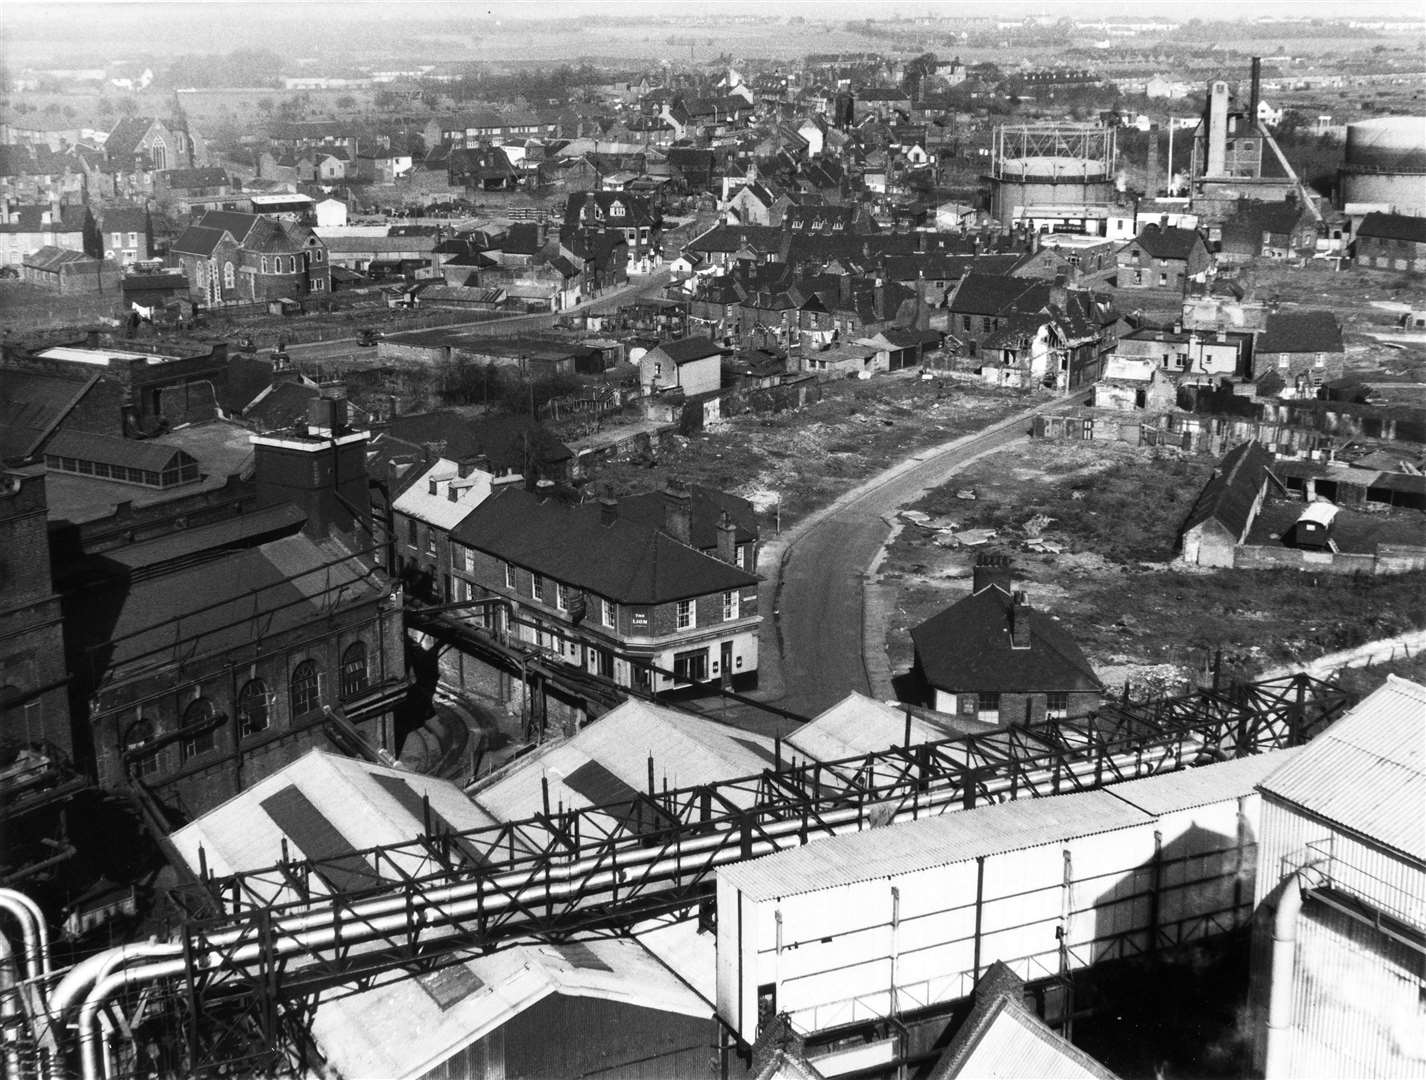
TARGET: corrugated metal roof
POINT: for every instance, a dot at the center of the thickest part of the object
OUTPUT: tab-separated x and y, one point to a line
686	750
857	725
940	841
1367	772
399	1030
1015	1044
1188	788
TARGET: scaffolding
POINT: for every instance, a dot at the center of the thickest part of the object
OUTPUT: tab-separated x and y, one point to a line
254	949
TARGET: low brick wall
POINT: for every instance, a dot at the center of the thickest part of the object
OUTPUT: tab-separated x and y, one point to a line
1389	559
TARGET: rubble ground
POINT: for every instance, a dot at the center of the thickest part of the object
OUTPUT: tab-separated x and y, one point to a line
791	463
1142	617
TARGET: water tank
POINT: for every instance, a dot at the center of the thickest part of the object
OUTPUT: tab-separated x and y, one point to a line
1385	162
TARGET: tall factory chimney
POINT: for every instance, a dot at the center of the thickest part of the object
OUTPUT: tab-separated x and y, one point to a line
1254	85
1217	129
1151	168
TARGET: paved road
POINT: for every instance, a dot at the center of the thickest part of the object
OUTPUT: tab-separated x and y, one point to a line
347	351
815	637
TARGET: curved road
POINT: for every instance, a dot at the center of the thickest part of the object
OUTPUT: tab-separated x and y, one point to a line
815	588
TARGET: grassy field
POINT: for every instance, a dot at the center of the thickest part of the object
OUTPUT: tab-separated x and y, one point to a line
1139	617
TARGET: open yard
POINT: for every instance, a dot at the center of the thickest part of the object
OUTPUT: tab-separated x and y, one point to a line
790	463
1114	516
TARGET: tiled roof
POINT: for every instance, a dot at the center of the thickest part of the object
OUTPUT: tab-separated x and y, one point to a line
1300	332
124	139
1367	772
967	647
52	258
195	178
625	561
124	219
197	240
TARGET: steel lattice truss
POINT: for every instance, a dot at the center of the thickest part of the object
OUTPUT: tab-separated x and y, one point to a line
1081	142
254	955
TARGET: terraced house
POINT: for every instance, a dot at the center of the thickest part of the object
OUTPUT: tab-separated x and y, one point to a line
241	258
612	592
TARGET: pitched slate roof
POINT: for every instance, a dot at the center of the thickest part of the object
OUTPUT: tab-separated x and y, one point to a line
986	294
124	219
195	178
626	561
134	453
50	257
32	404
1168	242
197	240
1300	332
1230	493
1394	227
707	506
124	139
967	647
687	350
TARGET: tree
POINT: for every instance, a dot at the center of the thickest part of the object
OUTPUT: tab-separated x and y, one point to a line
346	102
265	106
128	106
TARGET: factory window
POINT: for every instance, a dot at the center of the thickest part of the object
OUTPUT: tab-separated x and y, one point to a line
354	679
988	708
306	688
197	715
252	707
1056	706
140	732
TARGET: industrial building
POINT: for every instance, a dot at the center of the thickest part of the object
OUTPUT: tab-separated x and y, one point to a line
1340	942
1235	157
1053	177
1385	166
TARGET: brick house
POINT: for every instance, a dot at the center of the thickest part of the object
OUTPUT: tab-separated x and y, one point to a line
1304	349
992	657
126	233
1163	257
1392	242
230	257
693	365
25	229
71	273
612	594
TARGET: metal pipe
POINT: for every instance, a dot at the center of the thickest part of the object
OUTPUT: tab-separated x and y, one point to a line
33	927
10	1008
391	915
1277	1059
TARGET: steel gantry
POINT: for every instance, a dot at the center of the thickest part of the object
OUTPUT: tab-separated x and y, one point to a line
256	947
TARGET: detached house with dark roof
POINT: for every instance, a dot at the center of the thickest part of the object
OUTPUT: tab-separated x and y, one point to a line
992	657
242	258
612	593
693	365
1163	257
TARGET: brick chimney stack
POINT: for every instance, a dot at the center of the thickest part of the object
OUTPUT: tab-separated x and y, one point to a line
678	512
991	570
1019	621
727	539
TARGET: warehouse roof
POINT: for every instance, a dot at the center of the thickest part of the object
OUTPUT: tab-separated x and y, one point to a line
1367	772
607	762
951	838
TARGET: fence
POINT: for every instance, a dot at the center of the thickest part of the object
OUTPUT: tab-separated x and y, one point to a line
1389	559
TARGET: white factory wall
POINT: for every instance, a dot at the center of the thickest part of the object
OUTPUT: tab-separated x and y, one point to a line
867	950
